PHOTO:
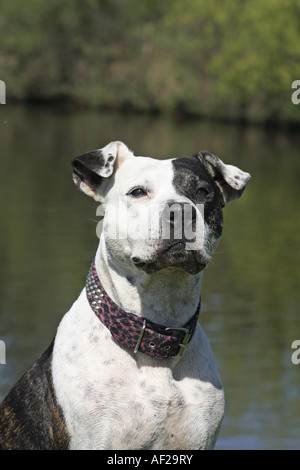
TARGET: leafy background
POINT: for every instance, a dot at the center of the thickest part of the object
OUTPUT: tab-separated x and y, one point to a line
229	60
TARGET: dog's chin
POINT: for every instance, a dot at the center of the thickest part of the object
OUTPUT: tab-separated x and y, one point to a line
174	256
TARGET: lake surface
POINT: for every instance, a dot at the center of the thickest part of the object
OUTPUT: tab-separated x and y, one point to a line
251	290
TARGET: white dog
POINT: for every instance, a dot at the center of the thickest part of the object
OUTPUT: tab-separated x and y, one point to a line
130	367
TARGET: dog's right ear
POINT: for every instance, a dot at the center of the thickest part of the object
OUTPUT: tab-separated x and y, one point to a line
92	170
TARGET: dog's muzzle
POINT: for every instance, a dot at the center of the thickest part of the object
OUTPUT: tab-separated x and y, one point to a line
181	242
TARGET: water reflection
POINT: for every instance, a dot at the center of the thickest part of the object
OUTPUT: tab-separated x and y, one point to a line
251	294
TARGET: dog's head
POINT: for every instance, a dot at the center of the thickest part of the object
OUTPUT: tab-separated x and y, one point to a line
159	213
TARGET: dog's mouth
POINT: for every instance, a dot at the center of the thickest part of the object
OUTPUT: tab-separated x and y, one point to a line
175	255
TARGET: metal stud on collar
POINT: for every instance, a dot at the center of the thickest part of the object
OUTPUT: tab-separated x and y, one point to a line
94	293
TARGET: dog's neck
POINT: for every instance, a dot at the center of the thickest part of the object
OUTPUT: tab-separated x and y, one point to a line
169	297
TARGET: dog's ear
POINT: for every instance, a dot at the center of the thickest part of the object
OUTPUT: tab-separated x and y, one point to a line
92	170
231	180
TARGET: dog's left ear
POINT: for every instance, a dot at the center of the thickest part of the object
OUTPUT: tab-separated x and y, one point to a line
92	170
231	180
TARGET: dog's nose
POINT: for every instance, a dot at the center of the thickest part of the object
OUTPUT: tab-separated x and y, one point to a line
178	219
175	211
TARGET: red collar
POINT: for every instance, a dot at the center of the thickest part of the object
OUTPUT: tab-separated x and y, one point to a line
135	332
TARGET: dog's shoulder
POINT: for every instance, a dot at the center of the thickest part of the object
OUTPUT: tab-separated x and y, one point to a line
21	427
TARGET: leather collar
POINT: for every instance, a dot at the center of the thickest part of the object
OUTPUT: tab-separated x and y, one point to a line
134	332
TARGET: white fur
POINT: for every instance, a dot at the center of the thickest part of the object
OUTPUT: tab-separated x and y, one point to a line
235	177
112	398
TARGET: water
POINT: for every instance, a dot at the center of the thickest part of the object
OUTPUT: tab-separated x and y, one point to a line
251	291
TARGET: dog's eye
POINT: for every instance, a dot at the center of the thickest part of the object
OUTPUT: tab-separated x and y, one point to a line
202	192
137	192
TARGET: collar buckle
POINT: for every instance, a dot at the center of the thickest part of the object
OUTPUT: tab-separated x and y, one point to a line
185	341
140	337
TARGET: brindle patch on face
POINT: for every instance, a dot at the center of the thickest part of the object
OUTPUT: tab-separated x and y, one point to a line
193	181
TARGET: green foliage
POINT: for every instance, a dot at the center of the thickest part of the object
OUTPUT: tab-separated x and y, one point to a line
232	59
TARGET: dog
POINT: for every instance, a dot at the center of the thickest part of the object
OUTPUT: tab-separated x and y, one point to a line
130	366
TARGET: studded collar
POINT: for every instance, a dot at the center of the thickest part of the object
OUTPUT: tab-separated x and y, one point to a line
137	333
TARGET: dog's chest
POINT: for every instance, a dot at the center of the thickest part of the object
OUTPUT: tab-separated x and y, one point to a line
155	415
109	402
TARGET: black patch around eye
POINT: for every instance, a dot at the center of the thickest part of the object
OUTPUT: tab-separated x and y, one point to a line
189	176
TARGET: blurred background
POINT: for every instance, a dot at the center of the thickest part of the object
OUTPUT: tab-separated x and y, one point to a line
234	60
168	78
